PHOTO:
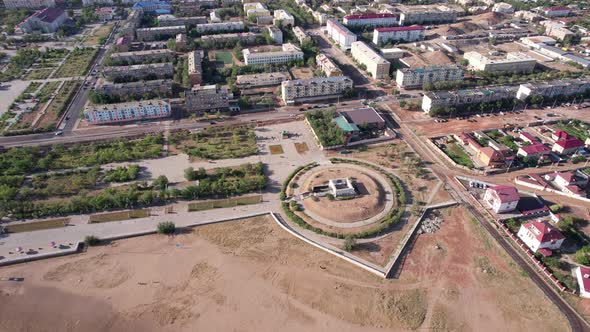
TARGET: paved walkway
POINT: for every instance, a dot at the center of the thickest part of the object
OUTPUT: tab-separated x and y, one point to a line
389	199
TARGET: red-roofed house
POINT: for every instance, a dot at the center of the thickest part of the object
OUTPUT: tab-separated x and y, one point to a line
567	146
540	235
559	135
556	11
583	276
534	151
501	198
572	183
528	137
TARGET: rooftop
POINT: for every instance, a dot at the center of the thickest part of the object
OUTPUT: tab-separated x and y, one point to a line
392	29
369	16
364	115
506	193
535	148
570	143
543	231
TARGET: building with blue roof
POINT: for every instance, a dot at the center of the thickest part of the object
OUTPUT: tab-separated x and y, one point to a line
154	7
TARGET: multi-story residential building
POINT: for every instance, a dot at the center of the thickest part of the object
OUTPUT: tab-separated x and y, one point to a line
557	30
416	77
131	24
404	34
328	66
260	80
161	87
514	62
244	37
467	97
105	13
427	15
289	53
220	27
29	4
195	69
301	35
501	199
503	8
376	65
122	44
87	3
340	34
256	9
154	7
371	20
181	42
554	88
314	88
276	34
208	98
130	58
47	20
541	236
283	18
124	112
321	18
158	33
557	11
392	53
171	20
157	70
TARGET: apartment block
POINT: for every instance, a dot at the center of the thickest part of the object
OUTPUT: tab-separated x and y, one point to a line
328	66
427	15
29	4
141	56
220	27
181	42
158	33
244	37
154	7
157	70
276	34
340	34
163	87
371	20
314	88
283	18
375	63
466	97
289	53
403	34
261	80
124	112
301	35
256	9
131	24
416	77
514	62
171	20
208	98
195	70
554	88
557	11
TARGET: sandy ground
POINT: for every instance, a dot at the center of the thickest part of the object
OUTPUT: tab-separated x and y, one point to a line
8	93
250	275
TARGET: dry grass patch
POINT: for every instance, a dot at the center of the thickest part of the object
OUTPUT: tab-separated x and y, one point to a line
118	216
276	149
37	226
301	147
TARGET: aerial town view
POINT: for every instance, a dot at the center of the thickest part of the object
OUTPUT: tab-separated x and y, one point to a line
294	165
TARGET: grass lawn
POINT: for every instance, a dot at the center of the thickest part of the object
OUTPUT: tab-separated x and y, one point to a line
276	149
37	226
33	86
216	142
63	184
301	147
224	203
458	155
575	128
224	57
38	74
99	35
77	63
118	216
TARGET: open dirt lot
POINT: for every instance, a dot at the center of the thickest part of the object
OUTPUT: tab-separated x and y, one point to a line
250	275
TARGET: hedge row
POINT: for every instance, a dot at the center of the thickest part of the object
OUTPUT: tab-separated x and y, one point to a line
283	194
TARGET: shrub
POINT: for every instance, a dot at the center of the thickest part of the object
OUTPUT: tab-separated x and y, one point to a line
555	208
166	227
349	243
582	256
91	240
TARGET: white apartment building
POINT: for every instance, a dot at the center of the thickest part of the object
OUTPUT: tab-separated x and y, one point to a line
289	53
123	112
218	27
162	87
276	34
168	20
301	35
404	34
340	34
376	65
158	70
371	20
256	9
554	88
392	53
514	62
260	80
195	70
30	4
314	88
283	18
328	66
427	15
416	77
467	97
157	33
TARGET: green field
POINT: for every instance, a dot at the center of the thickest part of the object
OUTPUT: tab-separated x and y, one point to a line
118	216
224	203
37	226
216	142
77	63
576	128
459	156
224	57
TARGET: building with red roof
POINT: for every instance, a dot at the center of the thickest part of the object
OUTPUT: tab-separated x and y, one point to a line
501	199
406	34
371	20
559	135
540	235
47	20
527	137
534	151
583	277
567	146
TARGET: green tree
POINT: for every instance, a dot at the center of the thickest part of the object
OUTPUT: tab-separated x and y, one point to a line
582	256
166	227
190	174
161	182
349	243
